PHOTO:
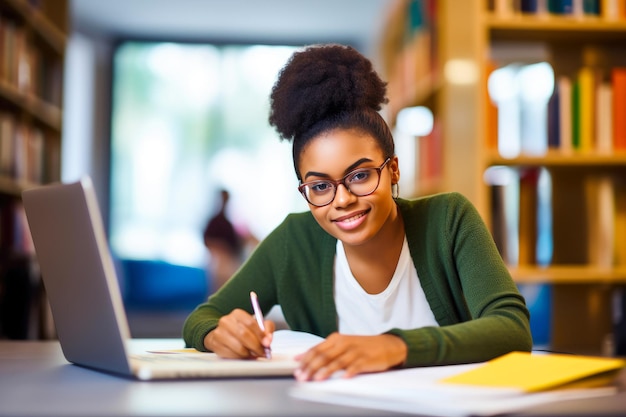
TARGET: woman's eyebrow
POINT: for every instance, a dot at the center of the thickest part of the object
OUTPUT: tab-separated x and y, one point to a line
347	170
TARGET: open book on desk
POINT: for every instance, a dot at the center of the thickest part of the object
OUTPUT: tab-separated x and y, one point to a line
481	389
161	361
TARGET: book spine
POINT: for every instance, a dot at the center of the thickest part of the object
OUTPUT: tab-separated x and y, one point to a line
506	8
576	115
618	79
619	243
612	9
586	109
528	216
600	220
591	7
604	118
554	115
565	114
529	6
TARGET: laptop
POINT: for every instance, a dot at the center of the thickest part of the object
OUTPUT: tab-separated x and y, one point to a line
86	302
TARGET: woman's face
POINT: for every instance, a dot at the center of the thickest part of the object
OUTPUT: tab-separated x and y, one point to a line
353	220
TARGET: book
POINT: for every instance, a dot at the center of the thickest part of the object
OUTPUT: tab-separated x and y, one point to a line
591	7
527	372
565	114
600	209
560	6
612	9
7	144
554	112
618	80
604	118
285	345
586	109
504	187
506	8
576	107
528	182
537	7
619	243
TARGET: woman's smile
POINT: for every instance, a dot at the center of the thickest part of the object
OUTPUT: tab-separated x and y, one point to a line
352	220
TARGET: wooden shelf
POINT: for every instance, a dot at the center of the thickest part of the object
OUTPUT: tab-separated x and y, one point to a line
43	112
559	159
550	27
53	36
11	187
580	308
554	23
34	37
569	274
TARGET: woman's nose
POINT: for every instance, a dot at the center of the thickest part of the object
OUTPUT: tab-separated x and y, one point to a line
343	196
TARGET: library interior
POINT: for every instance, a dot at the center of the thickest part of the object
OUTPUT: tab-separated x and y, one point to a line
518	105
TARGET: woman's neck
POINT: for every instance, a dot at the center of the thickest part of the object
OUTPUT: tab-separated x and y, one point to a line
374	263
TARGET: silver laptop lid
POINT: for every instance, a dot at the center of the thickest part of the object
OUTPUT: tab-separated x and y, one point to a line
78	274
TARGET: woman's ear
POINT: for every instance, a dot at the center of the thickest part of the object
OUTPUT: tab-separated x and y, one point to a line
395	170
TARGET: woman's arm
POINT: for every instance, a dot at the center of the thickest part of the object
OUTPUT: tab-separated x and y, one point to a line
478	306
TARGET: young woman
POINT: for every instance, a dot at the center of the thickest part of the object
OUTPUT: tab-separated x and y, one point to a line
388	282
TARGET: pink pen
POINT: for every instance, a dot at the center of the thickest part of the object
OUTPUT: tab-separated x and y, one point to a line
259	319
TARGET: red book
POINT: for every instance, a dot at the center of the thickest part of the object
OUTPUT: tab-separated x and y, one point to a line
618	79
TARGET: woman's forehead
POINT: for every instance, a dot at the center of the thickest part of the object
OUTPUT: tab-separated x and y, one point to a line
335	152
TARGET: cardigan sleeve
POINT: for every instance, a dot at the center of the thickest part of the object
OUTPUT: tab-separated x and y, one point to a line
479	309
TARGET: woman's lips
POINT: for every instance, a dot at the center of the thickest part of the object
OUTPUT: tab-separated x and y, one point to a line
351	221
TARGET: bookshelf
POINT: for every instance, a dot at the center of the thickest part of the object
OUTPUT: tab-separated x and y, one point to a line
409	51
587	184
33	35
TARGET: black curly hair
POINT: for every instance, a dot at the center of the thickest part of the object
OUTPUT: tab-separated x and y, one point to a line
327	87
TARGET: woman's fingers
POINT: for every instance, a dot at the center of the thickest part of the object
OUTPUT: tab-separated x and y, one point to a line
352	355
238	335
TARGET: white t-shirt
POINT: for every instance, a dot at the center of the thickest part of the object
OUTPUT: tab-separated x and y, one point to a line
401	305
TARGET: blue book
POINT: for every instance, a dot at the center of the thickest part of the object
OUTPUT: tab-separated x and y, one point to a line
554	115
529	6
560	6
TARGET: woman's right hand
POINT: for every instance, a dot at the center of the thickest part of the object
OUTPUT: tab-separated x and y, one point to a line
238	336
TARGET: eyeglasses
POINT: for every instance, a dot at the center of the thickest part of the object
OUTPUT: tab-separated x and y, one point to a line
360	182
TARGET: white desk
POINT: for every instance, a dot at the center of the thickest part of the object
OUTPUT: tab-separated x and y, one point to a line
36	380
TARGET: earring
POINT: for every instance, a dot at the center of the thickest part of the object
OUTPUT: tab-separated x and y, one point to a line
395	190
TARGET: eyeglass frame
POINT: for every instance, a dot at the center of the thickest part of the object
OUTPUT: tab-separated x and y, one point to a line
342	181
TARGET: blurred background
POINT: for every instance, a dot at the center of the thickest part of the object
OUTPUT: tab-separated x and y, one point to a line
164	104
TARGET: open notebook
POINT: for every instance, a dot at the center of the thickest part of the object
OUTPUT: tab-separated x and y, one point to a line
86	302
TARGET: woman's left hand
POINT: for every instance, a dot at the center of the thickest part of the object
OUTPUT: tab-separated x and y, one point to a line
351	354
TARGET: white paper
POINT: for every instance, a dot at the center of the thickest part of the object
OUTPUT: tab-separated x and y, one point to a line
416	391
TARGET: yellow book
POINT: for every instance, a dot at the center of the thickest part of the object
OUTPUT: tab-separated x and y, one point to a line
539	372
586	111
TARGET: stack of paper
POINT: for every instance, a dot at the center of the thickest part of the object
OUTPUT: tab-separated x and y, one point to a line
503	385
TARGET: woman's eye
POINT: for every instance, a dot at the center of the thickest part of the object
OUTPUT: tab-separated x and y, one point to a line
359	176
321	188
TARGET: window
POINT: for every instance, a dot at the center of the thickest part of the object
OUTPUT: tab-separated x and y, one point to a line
187	120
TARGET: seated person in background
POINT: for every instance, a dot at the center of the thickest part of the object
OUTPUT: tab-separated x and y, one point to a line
224	244
388	282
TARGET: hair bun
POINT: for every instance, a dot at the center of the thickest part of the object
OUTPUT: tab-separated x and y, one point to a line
320	82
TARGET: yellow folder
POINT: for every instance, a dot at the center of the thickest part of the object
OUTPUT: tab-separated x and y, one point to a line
537	372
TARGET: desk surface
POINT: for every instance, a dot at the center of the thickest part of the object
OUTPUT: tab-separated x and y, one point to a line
36	380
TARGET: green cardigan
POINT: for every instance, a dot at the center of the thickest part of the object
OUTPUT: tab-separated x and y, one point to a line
480	312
